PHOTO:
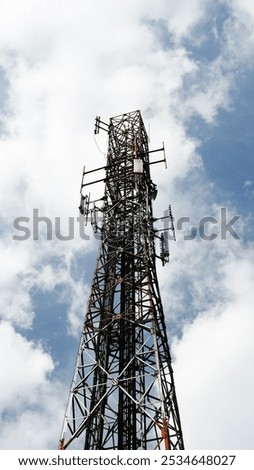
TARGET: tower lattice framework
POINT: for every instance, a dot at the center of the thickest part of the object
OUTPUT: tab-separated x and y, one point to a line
123	393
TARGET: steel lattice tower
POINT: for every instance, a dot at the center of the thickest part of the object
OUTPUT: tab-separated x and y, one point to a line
123	393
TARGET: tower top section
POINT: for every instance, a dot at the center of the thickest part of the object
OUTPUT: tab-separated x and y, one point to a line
128	183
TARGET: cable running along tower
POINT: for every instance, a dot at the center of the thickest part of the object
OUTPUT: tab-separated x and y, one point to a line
123	394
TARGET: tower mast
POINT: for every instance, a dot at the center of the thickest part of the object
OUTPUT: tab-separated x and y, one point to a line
123	393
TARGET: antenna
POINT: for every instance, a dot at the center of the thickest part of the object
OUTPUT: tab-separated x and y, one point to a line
99	124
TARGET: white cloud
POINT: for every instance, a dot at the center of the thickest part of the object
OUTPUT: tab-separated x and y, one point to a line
239	34
244	8
213	363
35	428
32	405
206	98
24	369
186	15
15	301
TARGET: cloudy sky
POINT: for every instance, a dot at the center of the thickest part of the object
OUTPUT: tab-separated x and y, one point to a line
188	66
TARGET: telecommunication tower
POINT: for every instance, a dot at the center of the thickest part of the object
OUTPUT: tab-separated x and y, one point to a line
123	393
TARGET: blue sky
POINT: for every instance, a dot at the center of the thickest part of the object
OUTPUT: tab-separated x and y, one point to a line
188	66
